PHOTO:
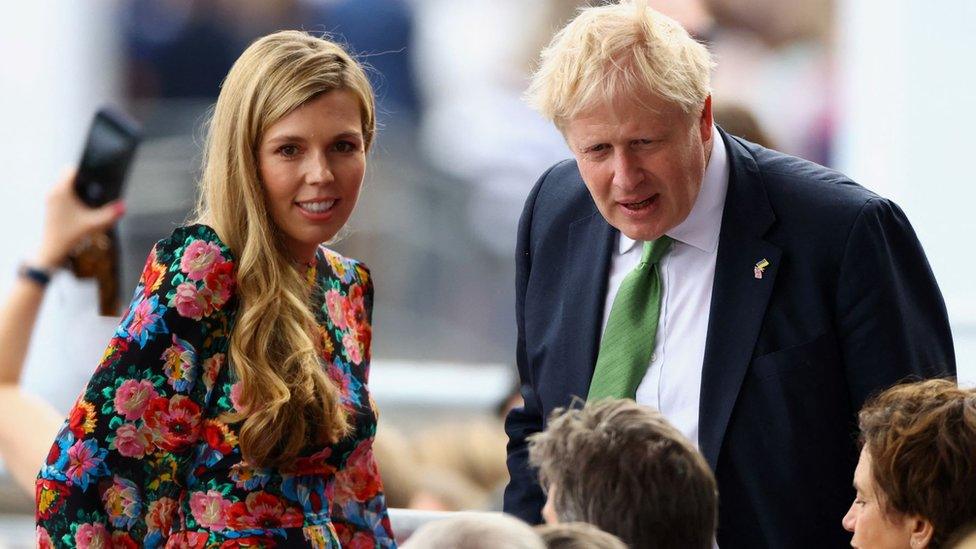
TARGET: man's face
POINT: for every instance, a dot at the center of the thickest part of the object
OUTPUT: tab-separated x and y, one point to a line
643	162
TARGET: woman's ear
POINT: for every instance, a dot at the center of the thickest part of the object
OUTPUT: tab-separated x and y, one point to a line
921	532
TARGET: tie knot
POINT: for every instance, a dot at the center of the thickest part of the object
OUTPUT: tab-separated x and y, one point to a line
655	249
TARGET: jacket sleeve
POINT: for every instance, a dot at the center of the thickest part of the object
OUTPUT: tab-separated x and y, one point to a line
523	495
891	317
114	472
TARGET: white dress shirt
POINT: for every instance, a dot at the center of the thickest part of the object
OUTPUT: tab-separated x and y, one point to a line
673	380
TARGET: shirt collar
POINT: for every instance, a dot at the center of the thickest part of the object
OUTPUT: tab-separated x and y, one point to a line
701	228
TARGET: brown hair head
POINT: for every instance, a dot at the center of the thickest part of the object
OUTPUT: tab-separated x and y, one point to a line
624	468
922	441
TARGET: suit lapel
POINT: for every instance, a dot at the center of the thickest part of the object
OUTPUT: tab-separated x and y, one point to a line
739	297
590	240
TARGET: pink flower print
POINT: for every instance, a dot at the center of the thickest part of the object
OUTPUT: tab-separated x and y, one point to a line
235	397
144	319
174	423
354	307
359	480
92	536
334	303
220	282
132	397
43	539
131	441
211	369
209	509
198	257
352	347
189	301
85	460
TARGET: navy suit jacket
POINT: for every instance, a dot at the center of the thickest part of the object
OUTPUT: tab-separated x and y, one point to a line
847	306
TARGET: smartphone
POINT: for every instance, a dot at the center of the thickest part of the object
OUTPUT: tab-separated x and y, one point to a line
111	145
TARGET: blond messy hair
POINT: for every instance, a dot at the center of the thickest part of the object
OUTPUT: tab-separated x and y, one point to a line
619	50
288	400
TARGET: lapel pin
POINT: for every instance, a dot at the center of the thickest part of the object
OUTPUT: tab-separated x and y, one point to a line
760	268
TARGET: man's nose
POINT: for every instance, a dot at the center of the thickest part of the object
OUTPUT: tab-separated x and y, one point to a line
627	174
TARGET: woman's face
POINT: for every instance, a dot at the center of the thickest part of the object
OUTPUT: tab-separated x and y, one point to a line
311	164
873	529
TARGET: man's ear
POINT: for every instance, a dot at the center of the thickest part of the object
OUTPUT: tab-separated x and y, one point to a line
921	531
705	120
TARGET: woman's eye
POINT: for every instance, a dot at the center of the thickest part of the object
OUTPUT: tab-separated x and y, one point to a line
346	146
288	150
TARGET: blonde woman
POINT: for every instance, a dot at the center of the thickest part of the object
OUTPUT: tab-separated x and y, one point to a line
230	408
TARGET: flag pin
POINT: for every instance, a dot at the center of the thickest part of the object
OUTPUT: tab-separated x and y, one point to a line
760	268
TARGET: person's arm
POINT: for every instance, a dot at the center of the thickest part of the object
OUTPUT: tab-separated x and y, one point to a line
523	496
66	221
27	422
127	445
358	505
891	317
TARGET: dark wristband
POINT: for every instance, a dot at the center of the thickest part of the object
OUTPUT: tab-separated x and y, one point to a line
39	276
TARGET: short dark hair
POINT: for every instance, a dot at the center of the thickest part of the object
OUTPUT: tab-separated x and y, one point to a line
922	441
622	467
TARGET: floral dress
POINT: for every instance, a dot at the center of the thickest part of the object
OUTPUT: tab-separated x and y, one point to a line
145	459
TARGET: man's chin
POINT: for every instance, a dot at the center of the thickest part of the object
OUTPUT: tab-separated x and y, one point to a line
641	232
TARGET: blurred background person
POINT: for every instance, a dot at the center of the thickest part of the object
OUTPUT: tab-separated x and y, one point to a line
462	531
577	535
916	476
965	538
623	468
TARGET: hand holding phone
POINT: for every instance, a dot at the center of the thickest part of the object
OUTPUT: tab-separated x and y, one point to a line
109	150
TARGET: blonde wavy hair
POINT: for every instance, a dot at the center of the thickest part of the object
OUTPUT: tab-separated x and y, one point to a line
287	400
625	49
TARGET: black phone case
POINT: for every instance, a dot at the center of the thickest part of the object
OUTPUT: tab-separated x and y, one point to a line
109	149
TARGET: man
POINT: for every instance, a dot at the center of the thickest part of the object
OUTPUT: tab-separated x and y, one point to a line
623	468
762	297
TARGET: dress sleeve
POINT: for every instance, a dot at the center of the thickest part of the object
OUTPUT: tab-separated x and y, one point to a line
359	512
115	471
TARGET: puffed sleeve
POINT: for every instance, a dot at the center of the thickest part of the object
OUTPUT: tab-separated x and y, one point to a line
115	471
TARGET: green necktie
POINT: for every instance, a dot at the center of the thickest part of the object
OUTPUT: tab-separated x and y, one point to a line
628	339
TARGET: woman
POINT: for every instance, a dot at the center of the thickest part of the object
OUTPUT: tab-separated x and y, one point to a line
916	478
230	408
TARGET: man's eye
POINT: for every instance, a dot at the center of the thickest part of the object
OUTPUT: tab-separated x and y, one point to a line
642	142
602	147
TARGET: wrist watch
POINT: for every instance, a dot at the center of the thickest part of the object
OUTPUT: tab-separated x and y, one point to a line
37	275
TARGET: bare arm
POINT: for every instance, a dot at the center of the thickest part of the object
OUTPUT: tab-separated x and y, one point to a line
28	423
